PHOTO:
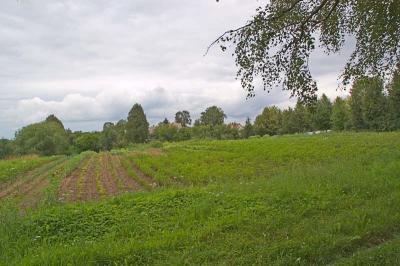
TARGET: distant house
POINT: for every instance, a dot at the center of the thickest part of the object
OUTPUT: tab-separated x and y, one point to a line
317	132
176	125
235	125
152	129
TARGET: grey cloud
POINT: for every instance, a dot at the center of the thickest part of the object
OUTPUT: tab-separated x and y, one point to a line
89	61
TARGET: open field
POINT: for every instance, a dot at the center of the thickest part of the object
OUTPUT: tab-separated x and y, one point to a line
330	199
102	175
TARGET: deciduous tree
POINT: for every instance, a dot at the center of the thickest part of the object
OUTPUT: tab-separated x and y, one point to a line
44	138
89	141
357	93
340	114
301	117
183	118
269	121
109	136
394	102
288	121
53	118
374	104
275	45
212	116
5	148
322	113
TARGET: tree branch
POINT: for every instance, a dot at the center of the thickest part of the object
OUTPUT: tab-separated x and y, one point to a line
282	13
225	33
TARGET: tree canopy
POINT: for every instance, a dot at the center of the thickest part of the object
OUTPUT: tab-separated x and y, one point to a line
137	127
53	118
323	112
44	138
269	121
88	142
394	102
275	44
5	148
183	118
340	114
109	136
212	116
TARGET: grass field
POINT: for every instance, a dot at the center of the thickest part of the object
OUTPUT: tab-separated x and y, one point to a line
331	199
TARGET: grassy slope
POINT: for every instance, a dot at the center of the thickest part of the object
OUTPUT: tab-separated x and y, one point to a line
278	201
10	169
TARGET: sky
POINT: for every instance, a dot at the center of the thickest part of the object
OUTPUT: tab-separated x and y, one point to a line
89	61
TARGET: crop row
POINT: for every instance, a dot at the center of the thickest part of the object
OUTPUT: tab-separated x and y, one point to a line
10	169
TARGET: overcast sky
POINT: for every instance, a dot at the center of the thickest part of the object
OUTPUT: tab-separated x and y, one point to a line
89	61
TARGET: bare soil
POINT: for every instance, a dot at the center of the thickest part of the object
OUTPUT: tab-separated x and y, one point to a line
81	185
148	179
29	180
97	175
90	192
106	178
155	152
34	194
130	184
69	186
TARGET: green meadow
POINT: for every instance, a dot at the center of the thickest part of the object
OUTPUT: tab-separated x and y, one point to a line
328	199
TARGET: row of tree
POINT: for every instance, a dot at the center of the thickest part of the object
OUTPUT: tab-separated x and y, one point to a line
369	107
136	128
50	137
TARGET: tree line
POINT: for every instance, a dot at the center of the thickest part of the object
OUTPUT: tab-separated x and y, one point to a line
369	107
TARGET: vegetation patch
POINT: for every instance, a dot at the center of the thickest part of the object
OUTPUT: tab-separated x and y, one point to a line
99	184
301	200
127	164
10	169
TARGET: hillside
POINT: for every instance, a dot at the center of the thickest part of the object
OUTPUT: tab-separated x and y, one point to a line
290	200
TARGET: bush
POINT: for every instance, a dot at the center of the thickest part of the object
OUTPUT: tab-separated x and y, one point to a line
5	148
45	138
156	144
184	133
88	142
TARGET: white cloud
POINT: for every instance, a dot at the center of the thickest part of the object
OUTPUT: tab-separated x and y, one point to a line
112	105
89	61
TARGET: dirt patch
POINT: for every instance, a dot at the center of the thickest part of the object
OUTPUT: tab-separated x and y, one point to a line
106	178
29	191
30	179
11	188
36	184
69	189
89	189
100	175
34	194
68	186
155	152
114	174
148	179
130	184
